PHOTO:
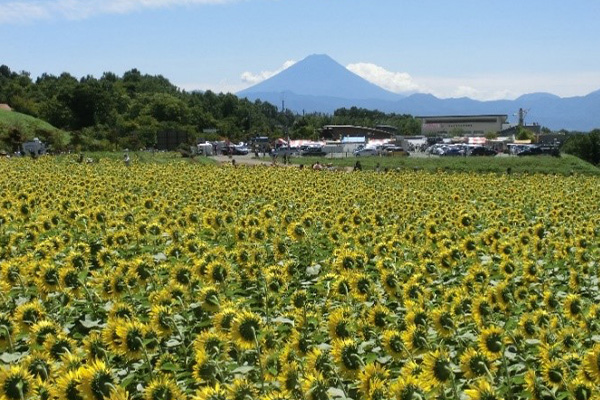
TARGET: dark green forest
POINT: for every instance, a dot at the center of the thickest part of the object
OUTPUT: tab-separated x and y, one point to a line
129	111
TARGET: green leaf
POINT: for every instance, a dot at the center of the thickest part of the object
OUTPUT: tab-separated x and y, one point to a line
243	370
9	358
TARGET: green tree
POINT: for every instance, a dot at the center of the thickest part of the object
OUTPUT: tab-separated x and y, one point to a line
584	146
524	134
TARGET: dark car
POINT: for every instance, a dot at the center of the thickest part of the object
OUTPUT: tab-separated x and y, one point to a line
313	151
453	151
235	150
531	151
483	151
540	150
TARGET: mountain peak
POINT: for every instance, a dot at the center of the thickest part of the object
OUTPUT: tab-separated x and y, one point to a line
321	75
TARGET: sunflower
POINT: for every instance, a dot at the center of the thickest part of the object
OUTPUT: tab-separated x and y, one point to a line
163	387
481	310
245	329
340	324
415	339
591	363
342	286
320	361
205	368
218	272
391	284
27	314
209	298
378	316
289	378
409	387
527	326
211	343
69	279
443	322
211	393
573	307
362	287
48	278
371	377
67	386
582	390
131	335
241	389
491	342
161	320
58	345
482	390
296	231
42	330
70	363
437	367
553	373
223	320
315	387
182	274
96	380
345	354
121	310
40	366
16	383
474	364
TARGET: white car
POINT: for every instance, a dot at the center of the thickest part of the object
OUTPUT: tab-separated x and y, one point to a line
369	151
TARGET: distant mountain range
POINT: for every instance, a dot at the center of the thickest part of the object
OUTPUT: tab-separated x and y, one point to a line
320	84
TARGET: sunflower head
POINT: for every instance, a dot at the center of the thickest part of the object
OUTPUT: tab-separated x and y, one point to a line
97	381
16	383
245	329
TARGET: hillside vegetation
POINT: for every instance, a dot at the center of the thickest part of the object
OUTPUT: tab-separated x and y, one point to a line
16	128
131	110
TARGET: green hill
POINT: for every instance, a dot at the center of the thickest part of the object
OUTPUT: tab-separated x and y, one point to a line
16	128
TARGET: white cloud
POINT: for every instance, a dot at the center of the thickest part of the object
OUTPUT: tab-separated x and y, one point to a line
396	82
32	10
254	78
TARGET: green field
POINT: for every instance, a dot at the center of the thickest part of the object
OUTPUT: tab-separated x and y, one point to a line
141	157
564	165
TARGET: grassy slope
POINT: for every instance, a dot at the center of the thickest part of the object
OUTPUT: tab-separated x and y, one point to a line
564	165
28	123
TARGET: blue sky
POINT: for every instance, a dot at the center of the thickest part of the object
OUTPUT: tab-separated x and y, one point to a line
482	49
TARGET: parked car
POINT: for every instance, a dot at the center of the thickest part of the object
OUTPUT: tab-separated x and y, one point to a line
540	150
453	151
531	151
284	151
235	150
483	151
313	151
366	151
395	151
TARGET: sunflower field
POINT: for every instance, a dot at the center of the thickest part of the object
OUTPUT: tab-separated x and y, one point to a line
187	281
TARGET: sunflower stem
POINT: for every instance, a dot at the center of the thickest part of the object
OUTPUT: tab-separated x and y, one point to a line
454	386
260	366
20	389
8	335
146	356
507	376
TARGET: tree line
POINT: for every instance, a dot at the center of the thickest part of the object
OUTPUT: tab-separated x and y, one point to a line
129	111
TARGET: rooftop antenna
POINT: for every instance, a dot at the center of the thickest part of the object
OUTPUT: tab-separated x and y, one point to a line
522	114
